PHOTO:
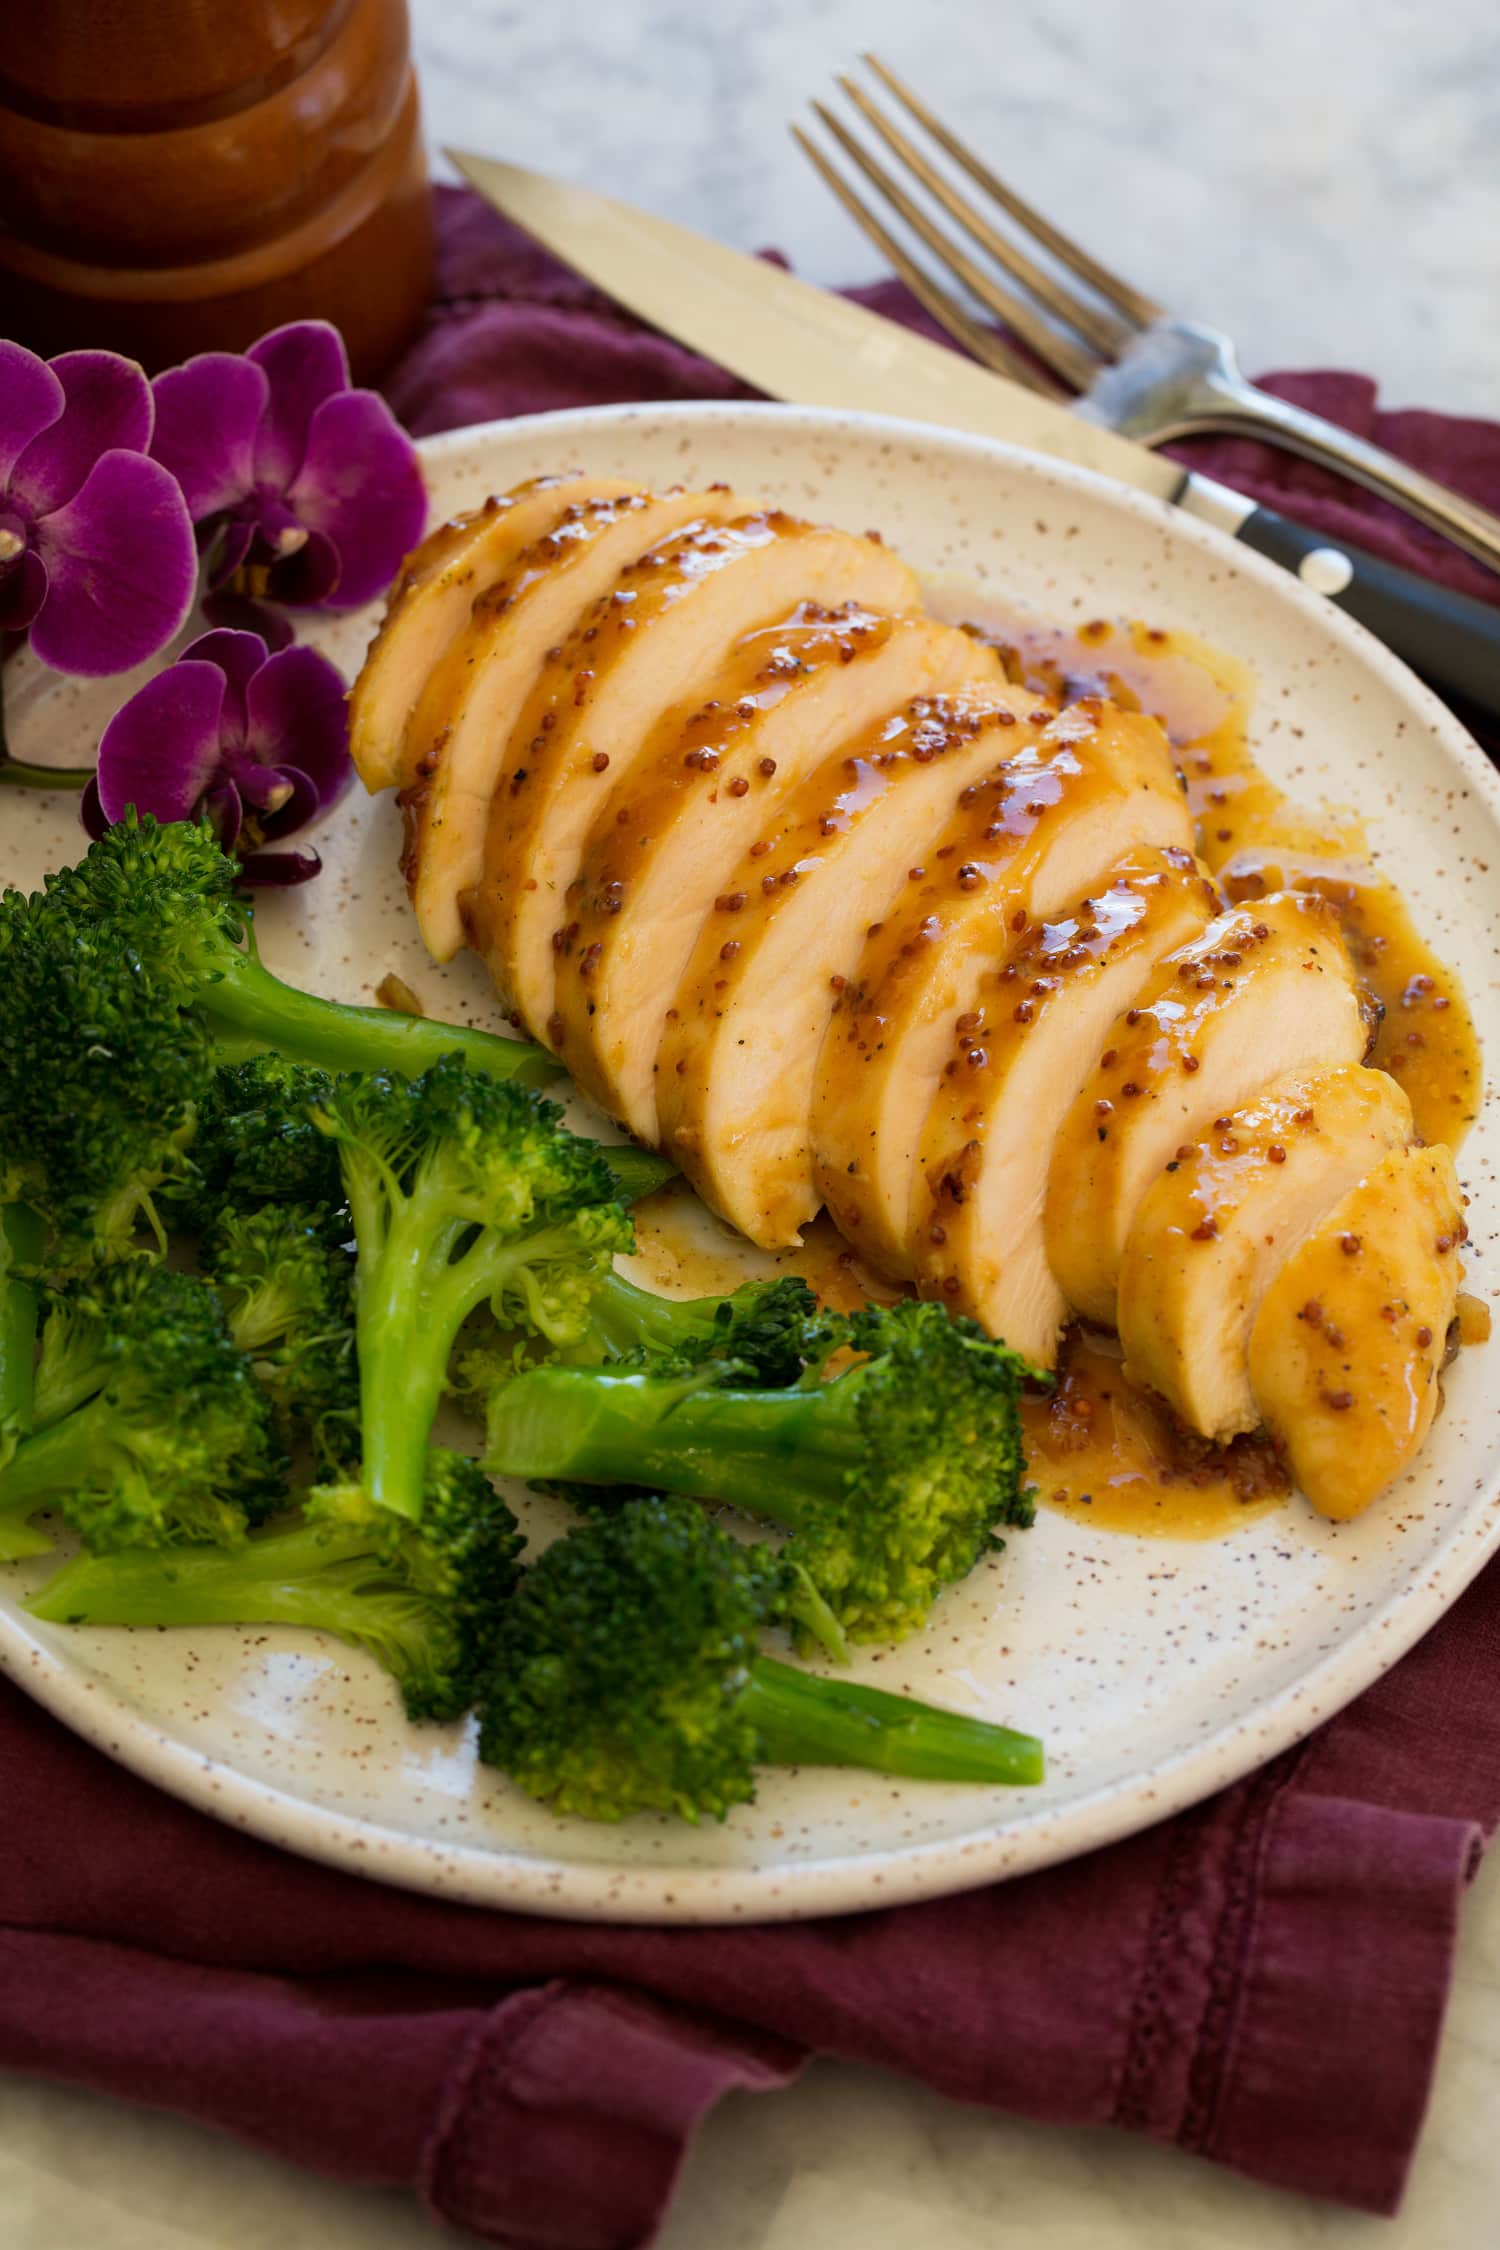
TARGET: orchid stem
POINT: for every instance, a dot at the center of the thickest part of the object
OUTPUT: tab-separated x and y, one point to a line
20	773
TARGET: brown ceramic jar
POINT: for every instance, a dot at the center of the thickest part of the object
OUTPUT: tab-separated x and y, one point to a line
181	175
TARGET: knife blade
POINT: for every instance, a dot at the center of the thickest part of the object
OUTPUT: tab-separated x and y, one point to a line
808	345
790	338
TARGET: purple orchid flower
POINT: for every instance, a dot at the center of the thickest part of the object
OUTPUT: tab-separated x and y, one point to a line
254	741
97	564
303	490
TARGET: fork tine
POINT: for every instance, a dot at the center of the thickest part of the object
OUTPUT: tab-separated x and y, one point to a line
1141	311
980	343
1098	328
1074	365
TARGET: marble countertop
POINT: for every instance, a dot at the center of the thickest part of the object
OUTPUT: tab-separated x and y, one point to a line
1317	177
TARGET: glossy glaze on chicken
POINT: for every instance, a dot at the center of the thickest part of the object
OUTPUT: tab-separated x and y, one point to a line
805	889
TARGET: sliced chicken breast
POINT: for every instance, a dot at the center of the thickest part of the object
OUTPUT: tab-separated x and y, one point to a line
1096	783
430	606
739	1055
1350	1337
630	673
469	714
1266	990
1015	1065
1225	1215
668	841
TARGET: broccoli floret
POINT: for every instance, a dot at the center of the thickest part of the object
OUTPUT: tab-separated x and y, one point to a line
769	1328
638	1172
627	1677
149	1424
464	1191
764	1325
892	1477
255	1142
99	1078
425	1601
286	1281
160	900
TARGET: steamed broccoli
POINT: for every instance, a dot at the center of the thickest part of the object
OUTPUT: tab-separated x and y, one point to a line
892	1477
149	1425
769	1328
423	1600
99	1082
21	1240
464	1191
255	1143
286	1281
153	908
626	1677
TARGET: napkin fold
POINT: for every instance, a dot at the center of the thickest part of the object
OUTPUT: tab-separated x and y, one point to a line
1260	1980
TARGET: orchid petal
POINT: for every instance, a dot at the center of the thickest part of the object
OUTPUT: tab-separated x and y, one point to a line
121	566
239	656
304	364
31	399
241	613
226	813
207	414
303	804
160	751
299	719
258	784
229	548
283	868
361	485
107	408
309	578
95	819
23	590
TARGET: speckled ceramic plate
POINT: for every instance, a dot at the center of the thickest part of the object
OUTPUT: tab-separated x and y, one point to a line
1156	1670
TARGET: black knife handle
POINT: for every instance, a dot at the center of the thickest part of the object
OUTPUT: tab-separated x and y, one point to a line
1452	640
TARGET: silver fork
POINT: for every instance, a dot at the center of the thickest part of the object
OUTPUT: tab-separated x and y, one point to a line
1134	366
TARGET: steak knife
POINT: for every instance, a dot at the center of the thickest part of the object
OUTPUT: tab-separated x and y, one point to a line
806	345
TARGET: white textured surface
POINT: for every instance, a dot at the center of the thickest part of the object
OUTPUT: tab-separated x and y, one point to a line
1318	177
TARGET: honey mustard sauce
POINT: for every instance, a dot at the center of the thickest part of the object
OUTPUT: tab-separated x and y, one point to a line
1100	1449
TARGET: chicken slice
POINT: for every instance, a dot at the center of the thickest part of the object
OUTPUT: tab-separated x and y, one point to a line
1094	784
430	605
668	841
470	709
1267	989
1014	1066
734	1082
630	671
1350	1337
1225	1215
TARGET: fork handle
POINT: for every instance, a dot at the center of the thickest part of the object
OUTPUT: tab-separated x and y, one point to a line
1452	640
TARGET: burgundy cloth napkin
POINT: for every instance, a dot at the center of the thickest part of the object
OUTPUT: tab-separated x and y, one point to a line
1261	1980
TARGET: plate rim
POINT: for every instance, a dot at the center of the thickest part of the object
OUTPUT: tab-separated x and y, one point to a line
856	1881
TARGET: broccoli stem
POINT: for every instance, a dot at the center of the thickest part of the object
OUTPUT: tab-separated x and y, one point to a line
804	1720
248	1003
769	1452
625	1318
408	1310
638	1172
22	1240
281	1578
57	1458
